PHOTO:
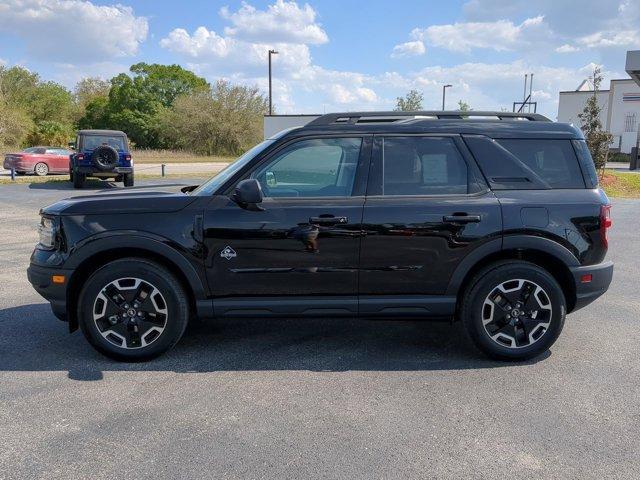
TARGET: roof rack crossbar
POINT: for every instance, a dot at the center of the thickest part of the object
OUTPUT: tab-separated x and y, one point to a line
386	117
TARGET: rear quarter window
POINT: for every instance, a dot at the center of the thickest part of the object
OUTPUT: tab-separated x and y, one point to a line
554	161
527	164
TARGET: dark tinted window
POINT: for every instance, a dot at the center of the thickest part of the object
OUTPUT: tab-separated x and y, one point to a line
422	166
320	167
91	142
554	161
588	167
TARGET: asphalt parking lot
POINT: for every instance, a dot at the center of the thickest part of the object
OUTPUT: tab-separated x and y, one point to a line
315	398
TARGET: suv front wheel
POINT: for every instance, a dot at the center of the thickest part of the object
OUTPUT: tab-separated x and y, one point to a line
513	310
132	309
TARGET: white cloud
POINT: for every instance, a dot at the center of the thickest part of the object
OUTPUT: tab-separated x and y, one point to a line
618	38
226	54
408	49
240	54
500	35
74	30
566	48
282	22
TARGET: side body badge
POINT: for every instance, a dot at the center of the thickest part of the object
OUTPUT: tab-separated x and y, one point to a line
228	253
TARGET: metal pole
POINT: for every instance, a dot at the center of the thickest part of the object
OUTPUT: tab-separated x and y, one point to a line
13	174
270	111
162	168
524	94
271	52
530	91
444	93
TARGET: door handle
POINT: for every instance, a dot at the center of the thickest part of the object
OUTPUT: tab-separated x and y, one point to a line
328	220
461	218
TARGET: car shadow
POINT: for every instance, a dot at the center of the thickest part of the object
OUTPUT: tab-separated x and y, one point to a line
32	339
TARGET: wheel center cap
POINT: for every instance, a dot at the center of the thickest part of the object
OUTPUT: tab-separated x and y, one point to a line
515	312
131	312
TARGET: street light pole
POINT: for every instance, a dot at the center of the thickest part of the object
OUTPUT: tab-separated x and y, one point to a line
444	93
271	52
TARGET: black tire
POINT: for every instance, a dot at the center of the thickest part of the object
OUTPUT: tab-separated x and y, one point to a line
78	179
172	295
70	173
128	179
41	169
538	324
105	158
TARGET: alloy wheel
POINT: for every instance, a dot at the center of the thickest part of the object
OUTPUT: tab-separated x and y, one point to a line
130	313
517	313
41	169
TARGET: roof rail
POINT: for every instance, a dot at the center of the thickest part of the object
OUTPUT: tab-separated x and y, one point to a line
392	117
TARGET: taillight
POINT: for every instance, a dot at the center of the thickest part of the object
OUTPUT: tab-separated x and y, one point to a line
80	156
127	158
605	224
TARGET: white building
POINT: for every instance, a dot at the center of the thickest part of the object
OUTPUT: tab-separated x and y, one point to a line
620	114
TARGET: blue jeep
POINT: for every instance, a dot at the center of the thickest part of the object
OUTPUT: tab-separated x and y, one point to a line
101	154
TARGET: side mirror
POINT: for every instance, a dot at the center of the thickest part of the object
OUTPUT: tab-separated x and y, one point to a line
72	145
248	194
188	189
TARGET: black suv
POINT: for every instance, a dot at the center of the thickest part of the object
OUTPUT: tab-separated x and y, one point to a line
494	219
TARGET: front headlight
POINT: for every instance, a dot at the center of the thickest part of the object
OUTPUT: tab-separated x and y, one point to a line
47	233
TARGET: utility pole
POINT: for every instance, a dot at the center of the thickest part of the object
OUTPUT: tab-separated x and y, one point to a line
271	52
444	93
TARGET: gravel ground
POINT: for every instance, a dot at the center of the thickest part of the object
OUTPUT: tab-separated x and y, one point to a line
315	398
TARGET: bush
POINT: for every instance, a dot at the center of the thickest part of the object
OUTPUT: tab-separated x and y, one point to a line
50	133
619	157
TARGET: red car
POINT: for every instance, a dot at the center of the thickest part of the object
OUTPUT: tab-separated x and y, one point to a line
38	160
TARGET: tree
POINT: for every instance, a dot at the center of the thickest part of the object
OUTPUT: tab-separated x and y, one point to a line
14	125
51	133
411	102
225	119
597	139
90	88
137	103
464	106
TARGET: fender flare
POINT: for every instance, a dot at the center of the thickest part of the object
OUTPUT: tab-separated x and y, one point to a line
510	242
155	244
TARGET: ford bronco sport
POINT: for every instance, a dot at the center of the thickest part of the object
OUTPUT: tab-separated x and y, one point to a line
493	219
101	154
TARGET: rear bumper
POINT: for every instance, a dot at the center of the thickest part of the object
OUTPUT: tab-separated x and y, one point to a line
94	172
17	165
54	293
587	292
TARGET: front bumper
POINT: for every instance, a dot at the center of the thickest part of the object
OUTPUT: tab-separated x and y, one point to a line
55	293
587	292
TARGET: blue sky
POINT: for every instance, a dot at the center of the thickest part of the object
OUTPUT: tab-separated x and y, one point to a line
334	55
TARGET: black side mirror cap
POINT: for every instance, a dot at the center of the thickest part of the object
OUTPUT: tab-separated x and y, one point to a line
248	194
188	189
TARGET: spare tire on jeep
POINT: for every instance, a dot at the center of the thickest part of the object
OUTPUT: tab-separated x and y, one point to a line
105	157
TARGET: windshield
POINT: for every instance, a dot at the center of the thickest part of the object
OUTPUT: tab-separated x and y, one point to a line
216	182
91	142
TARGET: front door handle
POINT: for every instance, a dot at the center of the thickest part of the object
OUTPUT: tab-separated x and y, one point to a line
328	220
461	218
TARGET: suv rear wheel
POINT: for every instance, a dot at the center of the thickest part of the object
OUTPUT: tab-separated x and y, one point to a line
513	310
132	309
128	179
77	179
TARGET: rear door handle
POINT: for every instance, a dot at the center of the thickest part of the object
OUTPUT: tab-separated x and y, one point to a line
461	218
328	220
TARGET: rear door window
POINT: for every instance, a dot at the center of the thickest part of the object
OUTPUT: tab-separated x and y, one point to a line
554	161
422	166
